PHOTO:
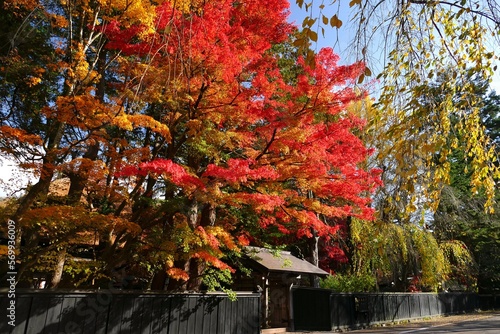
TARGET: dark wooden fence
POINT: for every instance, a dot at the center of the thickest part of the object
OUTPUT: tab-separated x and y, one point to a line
108	311
320	309
489	302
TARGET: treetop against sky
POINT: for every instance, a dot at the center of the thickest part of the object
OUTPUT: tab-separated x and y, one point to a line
343	38
182	132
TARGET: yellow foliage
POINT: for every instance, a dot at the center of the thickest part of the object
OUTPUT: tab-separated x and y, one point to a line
187	6
81	66
32	81
151	123
130	12
388	248
122	121
16	5
131	121
58	21
84	111
433	264
457	253
427	99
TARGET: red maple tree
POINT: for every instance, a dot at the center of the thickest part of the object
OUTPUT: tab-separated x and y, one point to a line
244	140
179	136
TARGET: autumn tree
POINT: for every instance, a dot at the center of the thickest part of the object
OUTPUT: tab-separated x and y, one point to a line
458	210
380	255
419	41
419	120
243	140
180	139
57	110
460	218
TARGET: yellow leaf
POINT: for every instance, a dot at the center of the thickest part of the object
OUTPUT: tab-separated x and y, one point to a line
354	2
325	19
313	35
335	21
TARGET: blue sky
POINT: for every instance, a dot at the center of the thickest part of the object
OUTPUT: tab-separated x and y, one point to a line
339	40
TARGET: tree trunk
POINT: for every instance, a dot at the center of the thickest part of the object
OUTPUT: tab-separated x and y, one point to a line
41	188
56	278
159	280
349	251
197	266
192	216
196	269
79	178
313	244
208	215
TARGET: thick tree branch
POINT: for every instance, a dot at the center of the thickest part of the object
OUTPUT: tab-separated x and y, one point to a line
268	145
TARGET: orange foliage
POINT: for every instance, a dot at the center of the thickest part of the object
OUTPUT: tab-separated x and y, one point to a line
188	143
178	274
15	135
15	6
212	260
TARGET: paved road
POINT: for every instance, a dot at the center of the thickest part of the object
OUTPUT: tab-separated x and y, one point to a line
486	324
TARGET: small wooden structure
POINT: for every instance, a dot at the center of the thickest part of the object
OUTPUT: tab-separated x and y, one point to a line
273	273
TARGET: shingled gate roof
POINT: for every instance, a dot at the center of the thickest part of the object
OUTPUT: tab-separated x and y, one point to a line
281	261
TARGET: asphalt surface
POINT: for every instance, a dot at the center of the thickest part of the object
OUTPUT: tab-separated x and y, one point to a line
469	324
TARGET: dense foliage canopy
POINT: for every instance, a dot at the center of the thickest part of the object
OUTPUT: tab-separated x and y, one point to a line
409	46
173	135
434	134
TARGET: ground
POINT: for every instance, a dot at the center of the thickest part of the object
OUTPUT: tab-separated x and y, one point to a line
433	321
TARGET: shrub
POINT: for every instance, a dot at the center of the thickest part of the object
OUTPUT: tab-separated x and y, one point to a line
349	283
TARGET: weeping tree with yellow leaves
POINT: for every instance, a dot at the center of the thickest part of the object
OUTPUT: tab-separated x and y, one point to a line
403	258
424	55
427	108
419	42
400	245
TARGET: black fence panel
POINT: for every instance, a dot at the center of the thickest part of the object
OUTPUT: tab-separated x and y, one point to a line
426	305
489	302
353	310
376	312
343	310
311	309
109	312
